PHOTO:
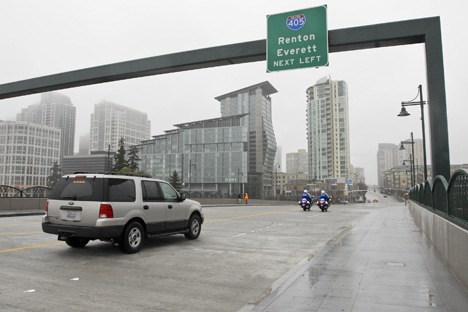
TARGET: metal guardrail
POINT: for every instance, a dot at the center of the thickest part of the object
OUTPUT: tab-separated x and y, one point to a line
33	191
448	199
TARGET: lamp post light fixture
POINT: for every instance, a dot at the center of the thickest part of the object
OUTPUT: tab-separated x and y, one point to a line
402	147
404	113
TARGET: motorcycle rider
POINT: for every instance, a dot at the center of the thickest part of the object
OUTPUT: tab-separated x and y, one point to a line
325	196
307	196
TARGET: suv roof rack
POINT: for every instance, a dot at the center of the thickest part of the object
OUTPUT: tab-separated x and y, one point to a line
131	174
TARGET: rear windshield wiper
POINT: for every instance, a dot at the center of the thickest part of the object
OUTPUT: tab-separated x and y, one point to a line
69	197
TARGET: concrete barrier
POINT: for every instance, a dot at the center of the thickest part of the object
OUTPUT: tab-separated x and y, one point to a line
24	203
15	203
450	240
234	201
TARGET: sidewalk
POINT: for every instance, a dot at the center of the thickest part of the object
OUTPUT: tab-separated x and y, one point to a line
383	264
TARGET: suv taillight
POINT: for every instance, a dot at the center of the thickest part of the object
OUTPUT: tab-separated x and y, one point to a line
47	207
105	211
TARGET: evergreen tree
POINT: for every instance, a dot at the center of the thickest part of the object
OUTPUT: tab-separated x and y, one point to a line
175	181
55	175
119	157
133	159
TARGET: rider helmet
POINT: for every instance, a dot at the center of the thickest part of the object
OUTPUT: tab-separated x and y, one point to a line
323	192
305	191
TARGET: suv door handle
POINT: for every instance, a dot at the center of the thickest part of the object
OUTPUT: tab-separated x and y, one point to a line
170	206
146	207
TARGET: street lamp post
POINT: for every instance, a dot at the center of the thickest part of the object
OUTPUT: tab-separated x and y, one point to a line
276	180
411	141
239	174
238	180
404	113
297	183
190	174
411	169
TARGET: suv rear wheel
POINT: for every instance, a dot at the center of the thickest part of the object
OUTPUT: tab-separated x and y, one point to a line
132	238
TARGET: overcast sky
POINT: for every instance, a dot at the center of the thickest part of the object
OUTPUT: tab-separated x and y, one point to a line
39	38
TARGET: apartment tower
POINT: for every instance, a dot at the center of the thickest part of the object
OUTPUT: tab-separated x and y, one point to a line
111	121
54	110
27	153
328	129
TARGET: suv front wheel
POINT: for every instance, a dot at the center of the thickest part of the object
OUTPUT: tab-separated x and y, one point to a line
132	238
194	227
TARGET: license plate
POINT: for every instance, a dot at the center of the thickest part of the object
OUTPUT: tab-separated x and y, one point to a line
71	215
68	213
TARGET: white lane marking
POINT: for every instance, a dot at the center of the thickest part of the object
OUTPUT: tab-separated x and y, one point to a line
238	235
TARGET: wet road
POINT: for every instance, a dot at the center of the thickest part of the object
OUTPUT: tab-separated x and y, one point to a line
243	254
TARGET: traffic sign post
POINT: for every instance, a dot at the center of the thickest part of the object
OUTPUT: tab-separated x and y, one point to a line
297	39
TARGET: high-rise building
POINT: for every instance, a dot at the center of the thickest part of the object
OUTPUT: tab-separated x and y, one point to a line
256	102
297	162
279	158
27	153
228	155
357	175
110	122
84	144
328	129
387	158
391	155
55	110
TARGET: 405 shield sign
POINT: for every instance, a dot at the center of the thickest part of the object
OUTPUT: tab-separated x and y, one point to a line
296	22
297	39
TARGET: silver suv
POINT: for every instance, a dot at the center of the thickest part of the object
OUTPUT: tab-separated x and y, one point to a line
118	208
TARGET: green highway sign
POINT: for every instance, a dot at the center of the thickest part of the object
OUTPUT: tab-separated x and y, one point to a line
297	39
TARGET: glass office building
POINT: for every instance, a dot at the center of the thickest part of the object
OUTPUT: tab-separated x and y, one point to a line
209	155
230	155
256	102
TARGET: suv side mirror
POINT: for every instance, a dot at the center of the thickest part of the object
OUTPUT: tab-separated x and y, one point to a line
182	197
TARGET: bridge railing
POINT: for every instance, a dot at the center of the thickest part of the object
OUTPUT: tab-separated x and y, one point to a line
33	191
447	199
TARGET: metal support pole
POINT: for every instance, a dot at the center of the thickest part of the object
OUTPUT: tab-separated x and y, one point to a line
413	176
421	103
238	180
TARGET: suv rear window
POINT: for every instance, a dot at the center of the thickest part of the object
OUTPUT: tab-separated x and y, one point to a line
91	189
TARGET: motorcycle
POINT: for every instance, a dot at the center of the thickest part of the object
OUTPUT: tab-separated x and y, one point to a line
323	204
304	203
